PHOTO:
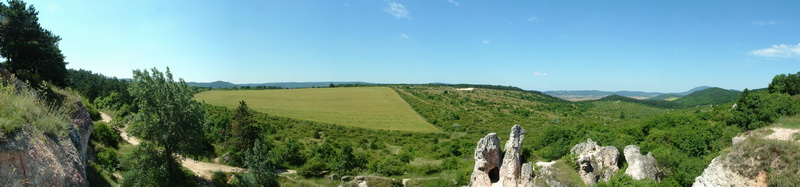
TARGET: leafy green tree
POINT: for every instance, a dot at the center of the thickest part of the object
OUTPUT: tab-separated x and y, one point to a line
31	51
260	169
168	117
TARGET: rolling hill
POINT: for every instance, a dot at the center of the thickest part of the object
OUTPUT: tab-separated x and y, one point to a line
708	96
227	85
581	95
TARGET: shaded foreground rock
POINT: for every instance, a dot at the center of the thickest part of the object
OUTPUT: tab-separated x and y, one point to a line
596	163
640	166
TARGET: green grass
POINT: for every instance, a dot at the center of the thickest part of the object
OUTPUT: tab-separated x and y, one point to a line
365	107
789	122
22	108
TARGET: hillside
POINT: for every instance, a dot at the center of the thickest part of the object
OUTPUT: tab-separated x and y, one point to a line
367	107
582	95
708	96
666	97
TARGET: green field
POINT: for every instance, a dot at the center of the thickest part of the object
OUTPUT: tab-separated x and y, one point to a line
366	107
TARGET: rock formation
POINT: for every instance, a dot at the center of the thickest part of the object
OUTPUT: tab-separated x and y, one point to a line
547	175
718	175
487	161
595	162
510	170
640	166
526	175
28	159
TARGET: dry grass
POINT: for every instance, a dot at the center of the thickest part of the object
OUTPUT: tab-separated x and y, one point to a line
365	107
23	109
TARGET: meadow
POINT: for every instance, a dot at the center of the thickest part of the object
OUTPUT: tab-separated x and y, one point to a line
365	107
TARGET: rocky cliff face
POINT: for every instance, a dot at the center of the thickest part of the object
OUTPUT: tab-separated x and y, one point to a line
596	163
640	166
26	160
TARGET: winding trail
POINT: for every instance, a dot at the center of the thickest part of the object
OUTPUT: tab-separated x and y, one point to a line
202	169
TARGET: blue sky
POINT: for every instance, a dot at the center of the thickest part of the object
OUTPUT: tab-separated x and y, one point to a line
666	46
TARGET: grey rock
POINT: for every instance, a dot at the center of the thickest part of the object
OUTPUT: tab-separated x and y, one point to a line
510	169
346	178
640	166
487	161
526	175
47	160
596	163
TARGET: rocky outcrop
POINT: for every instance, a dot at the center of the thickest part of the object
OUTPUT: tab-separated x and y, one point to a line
526	175
510	170
596	163
28	159
718	175
487	161
640	166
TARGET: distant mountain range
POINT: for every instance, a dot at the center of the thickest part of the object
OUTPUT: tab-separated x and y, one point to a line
579	95
223	84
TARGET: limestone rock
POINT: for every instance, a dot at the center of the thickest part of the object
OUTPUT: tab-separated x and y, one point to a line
526	175
47	160
487	161
510	170
596	163
718	175
640	166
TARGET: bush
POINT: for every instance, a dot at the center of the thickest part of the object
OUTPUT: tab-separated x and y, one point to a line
388	166
450	163
312	169
219	179
105	135
108	160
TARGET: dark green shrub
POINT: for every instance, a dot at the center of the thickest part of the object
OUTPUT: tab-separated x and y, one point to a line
105	135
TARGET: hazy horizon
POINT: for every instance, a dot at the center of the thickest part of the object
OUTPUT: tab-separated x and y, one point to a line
578	45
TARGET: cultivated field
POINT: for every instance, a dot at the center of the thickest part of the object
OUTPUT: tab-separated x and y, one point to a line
366	107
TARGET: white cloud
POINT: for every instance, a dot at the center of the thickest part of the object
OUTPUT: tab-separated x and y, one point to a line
404	36
779	51
764	23
485	41
539	73
397	10
533	19
453	2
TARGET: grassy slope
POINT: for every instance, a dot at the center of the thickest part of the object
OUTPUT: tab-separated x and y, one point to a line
666	97
366	107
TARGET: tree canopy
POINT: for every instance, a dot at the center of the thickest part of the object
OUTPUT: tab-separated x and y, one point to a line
31	51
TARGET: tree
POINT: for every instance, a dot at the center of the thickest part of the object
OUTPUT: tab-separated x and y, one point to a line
244	133
32	52
260	169
167	116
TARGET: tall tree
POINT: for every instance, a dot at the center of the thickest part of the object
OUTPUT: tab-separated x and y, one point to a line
167	115
32	52
244	132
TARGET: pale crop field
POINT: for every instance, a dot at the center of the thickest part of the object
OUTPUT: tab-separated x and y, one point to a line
365	107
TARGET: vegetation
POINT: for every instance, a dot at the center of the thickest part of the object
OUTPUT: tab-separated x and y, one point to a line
708	96
22	108
171	122
367	107
31	51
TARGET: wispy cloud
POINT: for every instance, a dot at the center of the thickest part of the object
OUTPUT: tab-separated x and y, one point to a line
485	41
779	51
404	35
762	23
539	73
533	19
397	10
453	2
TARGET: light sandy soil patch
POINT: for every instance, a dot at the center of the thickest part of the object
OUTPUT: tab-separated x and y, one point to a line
783	134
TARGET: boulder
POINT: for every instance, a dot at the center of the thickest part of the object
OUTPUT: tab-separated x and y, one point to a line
487	161
596	163
510	170
346	178
640	166
718	175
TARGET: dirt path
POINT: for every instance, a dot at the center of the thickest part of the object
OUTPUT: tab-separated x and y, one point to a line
202	169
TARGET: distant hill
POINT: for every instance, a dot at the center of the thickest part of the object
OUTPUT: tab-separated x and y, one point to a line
699	88
666	97
223	84
708	96
653	103
580	95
